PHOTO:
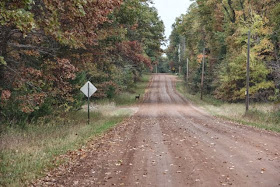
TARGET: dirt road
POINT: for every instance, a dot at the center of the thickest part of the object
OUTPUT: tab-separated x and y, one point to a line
169	142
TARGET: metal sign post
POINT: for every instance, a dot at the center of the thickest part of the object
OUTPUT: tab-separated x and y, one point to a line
88	103
88	89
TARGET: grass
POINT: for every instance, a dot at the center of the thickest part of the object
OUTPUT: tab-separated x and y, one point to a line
26	154
261	115
128	97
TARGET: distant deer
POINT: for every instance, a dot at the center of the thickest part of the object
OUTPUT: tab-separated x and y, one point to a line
137	97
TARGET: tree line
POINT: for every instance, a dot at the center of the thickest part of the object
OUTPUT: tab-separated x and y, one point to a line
221	27
49	49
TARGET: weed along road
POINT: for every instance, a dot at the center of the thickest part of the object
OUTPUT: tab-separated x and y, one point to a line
170	142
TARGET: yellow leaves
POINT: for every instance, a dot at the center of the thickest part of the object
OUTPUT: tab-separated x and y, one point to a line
264	47
238	13
20	18
2	61
200	57
266	30
66	107
261	46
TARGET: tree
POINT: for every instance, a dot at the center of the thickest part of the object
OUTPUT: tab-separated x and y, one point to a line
50	48
221	27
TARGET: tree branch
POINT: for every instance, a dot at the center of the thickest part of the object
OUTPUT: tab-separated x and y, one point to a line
231	17
242	7
23	46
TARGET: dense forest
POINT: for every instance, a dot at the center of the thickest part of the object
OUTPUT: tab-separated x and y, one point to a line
49	49
221	27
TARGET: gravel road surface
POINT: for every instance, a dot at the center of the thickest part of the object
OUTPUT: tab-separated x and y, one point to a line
171	143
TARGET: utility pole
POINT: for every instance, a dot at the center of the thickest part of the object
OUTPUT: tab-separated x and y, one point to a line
183	43
156	68
248	72
179	55
179	70
202	74
187	71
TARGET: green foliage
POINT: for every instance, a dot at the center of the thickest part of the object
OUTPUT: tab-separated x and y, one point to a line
78	97
20	17
128	96
222	28
275	16
261	115
49	49
233	75
163	66
196	81
2	61
276	96
233	79
143	25
27	152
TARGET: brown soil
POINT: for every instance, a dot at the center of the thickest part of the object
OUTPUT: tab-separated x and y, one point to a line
170	142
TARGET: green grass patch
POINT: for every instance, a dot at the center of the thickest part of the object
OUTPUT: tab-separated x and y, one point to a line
128	97
26	153
261	115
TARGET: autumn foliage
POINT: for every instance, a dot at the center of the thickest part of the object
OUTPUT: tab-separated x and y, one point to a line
221	27
50	48
133	51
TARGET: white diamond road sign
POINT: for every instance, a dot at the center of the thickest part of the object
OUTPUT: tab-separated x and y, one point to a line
88	89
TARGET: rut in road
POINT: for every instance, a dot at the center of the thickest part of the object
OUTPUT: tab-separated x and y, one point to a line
170	142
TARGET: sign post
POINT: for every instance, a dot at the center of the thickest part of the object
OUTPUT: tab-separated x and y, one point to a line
88	103
187	71
88	89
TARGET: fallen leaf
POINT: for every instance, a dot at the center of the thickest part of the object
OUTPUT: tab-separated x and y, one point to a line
76	182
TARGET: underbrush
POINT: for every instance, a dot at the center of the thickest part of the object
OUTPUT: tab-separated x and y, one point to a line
262	115
27	152
128	96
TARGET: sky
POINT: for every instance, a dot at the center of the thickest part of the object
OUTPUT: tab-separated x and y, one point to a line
168	10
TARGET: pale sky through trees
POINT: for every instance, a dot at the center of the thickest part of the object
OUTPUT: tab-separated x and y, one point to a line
168	10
